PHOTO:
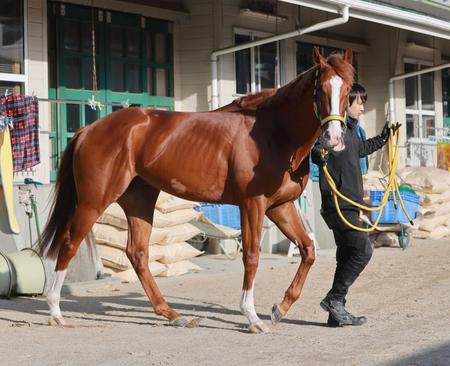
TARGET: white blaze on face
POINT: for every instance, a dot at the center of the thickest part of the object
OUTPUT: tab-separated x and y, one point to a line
334	127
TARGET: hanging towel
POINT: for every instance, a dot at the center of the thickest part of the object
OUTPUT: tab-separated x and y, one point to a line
23	111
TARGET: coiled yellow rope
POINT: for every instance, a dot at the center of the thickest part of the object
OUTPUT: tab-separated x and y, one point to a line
391	187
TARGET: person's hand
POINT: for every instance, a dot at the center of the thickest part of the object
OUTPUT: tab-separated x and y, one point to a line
324	156
395	126
385	132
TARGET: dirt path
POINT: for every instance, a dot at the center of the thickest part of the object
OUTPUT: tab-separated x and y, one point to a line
406	296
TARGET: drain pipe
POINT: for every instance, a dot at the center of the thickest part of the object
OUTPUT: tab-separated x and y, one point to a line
404	76
215	55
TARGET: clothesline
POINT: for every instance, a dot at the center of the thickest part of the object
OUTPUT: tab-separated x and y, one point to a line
70	101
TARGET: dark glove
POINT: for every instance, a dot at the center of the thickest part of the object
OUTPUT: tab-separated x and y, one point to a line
395	126
385	133
324	156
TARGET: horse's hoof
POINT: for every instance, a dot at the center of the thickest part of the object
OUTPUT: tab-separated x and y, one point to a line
276	315
57	321
182	322
259	327
193	323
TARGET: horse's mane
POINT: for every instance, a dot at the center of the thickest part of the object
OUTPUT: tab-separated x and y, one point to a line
288	92
248	103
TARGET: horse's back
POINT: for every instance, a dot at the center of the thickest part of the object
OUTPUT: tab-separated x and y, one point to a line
183	153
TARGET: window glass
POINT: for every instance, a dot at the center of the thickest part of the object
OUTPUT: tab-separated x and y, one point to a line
161	82
150	90
412	125
428	126
72	36
72	73
411	87
149	46
117	77
161	48
133	78
90	115
13	88
116	42
243	65
73	117
133	43
87	37
427	90
11	37
446	93
265	65
304	57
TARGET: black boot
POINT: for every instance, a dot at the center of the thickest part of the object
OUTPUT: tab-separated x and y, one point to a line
333	323
341	316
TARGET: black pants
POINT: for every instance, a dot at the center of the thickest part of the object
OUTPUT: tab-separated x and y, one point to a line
352	254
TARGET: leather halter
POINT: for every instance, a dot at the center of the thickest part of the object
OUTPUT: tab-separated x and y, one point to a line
316	105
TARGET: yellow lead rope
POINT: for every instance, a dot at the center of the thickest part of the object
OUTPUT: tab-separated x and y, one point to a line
391	187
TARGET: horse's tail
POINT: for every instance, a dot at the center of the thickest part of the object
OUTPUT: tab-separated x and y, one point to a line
63	206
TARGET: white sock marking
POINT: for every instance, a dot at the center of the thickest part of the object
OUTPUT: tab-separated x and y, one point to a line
248	306
54	294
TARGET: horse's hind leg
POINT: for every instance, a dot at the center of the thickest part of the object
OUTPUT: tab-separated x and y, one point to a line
138	202
83	219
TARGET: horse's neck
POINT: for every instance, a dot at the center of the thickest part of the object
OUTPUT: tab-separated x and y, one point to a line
299	125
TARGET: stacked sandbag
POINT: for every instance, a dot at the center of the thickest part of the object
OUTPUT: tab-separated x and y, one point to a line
433	187
169	252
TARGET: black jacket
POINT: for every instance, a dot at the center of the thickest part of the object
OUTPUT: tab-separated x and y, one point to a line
344	167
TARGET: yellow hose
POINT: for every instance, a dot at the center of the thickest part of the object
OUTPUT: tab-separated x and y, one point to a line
391	187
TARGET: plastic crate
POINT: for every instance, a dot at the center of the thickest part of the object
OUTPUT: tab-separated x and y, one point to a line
226	215
390	214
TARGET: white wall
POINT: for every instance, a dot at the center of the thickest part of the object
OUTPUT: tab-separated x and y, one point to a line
37	81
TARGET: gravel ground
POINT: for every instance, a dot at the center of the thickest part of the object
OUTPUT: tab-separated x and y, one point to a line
405	295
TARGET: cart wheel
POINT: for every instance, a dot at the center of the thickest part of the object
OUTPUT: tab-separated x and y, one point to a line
403	238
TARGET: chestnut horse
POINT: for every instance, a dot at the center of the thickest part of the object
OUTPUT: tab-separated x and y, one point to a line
252	153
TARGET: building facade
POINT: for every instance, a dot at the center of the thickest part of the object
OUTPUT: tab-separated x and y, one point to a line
157	53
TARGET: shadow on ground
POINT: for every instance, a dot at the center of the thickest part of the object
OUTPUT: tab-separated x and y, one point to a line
436	356
133	308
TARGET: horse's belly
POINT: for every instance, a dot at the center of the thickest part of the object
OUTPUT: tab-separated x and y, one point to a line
196	185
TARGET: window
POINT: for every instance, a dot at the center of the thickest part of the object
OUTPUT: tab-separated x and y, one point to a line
12	70
304	56
134	66
257	68
419	100
446	97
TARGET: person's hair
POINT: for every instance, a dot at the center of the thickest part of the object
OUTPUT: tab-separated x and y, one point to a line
357	89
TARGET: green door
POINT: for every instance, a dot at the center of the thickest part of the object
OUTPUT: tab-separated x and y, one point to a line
134	66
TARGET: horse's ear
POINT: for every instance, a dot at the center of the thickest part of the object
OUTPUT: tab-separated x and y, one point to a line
318	58
348	55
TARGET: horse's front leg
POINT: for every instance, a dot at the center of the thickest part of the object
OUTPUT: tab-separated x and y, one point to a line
252	215
288	221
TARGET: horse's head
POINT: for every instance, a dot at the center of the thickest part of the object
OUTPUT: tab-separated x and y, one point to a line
333	81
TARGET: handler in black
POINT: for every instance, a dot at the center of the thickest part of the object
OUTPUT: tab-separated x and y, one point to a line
353	247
